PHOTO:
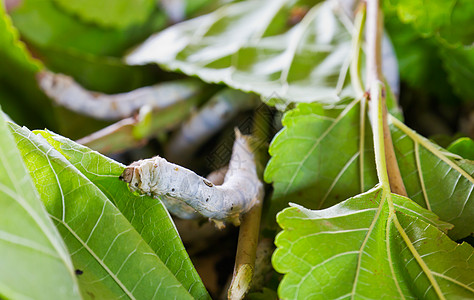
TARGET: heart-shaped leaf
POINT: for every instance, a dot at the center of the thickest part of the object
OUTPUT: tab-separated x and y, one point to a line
376	245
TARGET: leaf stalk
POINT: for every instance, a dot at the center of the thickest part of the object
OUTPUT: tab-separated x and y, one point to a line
386	161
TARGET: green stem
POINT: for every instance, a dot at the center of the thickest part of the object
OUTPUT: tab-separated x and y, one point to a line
377	117
357	84
386	161
355	69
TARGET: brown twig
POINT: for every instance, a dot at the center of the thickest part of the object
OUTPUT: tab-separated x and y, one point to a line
246	252
374	31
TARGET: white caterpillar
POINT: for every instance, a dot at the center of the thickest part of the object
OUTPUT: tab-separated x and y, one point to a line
240	191
68	93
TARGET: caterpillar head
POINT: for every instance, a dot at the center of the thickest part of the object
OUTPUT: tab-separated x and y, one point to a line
131	175
140	175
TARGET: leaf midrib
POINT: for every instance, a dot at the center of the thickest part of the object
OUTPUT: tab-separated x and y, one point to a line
318	141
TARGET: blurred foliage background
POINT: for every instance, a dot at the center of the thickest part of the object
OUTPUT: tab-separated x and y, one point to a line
87	40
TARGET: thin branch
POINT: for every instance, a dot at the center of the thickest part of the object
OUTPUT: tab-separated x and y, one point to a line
135	131
385	153
114	138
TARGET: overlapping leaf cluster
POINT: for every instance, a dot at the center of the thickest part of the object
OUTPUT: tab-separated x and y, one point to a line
319	159
373	245
434	40
120	244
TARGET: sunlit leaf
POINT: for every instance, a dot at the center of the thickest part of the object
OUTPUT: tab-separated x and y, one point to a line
374	246
305	172
279	49
436	179
34	261
111	258
147	215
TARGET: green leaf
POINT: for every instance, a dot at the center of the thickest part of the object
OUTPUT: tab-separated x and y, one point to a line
254	46
463	147
436	179
12	48
35	263
113	259
17	63
154	223
459	64
324	165
316	178
43	24
111	13
372	246
450	20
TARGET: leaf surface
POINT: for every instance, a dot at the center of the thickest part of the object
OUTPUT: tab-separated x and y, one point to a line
110	13
34	261
463	147
451	20
147	215
265	47
44	24
18	63
419	60
459	64
324	165
112	258
372	246
316	178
